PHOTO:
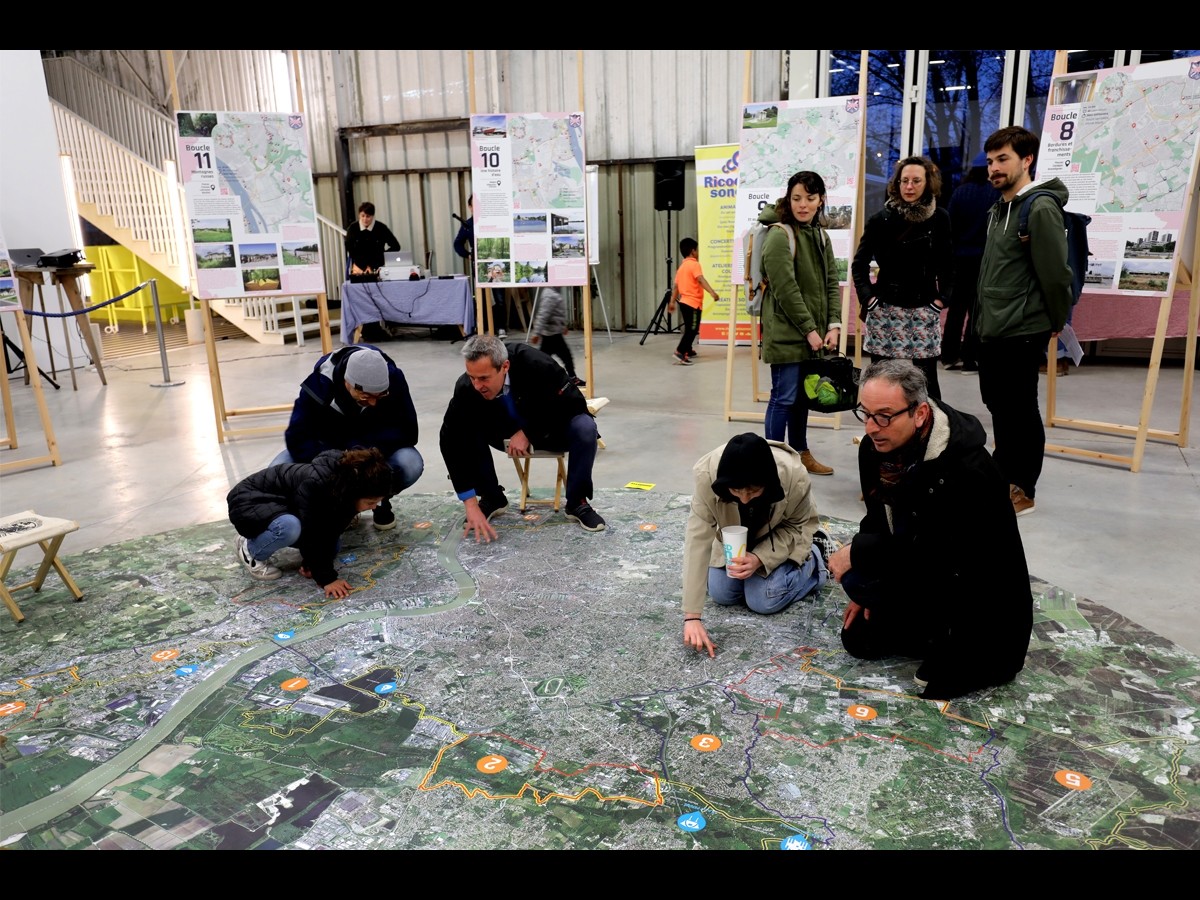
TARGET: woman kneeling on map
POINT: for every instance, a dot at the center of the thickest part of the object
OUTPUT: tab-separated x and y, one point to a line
306	506
752	535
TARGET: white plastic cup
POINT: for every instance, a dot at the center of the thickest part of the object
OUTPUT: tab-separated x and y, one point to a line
734	537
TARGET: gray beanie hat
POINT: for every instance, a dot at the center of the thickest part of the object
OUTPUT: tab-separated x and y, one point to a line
367	370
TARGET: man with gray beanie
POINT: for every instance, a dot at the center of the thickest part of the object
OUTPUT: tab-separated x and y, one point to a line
357	397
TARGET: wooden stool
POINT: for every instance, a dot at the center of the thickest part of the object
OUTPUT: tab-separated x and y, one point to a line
23	530
521	464
594	405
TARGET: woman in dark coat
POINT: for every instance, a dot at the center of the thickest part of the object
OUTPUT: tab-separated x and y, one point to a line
307	506
909	239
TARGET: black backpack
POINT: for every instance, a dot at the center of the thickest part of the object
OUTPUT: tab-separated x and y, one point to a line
1077	240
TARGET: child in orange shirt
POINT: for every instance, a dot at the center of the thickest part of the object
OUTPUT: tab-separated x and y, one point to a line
690	285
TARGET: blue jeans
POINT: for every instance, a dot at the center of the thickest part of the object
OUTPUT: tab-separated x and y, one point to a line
784	414
283	531
406	465
788	583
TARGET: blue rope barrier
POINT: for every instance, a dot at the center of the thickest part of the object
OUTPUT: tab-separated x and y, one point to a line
87	309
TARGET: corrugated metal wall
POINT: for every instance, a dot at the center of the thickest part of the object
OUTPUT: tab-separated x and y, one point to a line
639	105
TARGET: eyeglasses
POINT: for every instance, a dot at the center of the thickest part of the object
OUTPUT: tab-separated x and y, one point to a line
883	420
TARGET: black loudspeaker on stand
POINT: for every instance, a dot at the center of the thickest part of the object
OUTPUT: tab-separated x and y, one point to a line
668	196
668	184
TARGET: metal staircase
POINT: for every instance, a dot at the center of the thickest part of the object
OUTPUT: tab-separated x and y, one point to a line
126	188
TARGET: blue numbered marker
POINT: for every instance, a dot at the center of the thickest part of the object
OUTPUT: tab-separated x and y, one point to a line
183	671
691	821
349	558
795	842
284	635
386	688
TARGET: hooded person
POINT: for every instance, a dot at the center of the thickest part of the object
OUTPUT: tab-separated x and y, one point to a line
764	486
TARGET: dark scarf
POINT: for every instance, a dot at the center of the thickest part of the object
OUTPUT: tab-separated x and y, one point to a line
913	213
896	467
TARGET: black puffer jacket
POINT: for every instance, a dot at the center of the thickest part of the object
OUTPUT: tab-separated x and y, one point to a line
306	490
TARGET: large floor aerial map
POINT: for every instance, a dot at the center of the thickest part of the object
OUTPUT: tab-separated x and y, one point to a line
535	693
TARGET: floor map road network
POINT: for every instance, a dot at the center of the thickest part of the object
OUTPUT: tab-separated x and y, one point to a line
535	693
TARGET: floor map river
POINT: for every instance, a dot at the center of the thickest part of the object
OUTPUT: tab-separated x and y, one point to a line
535	692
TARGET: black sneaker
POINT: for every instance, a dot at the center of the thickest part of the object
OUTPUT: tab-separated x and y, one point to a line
493	506
588	518
577	381
827	545
383	517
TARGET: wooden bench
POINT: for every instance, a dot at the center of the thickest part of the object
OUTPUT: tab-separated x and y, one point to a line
24	530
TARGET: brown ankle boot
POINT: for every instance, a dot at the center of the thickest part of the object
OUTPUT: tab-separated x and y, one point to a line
814	467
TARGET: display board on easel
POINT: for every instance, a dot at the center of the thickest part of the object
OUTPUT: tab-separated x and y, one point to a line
524	168
251	222
1126	142
779	138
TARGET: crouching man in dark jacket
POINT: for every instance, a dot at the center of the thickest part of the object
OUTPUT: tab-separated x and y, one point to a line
357	397
937	570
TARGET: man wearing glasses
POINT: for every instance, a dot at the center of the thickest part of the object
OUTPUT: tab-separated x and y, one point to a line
937	570
357	397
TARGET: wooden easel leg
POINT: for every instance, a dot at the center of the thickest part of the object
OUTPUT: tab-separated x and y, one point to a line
214	372
1160	336
39	395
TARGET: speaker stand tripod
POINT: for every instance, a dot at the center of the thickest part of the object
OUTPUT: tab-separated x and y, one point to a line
656	323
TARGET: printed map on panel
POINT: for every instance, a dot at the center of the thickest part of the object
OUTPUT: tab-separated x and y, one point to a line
1139	135
547	162
264	163
821	137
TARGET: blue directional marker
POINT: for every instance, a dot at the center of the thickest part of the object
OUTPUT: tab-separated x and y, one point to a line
795	842
183	671
386	688
691	821
284	635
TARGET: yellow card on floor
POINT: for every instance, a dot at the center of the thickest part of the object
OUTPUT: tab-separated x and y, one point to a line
640	485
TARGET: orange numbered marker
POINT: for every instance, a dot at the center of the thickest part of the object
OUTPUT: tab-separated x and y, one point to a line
12	707
705	743
423	525
863	713
647	526
531	517
491	764
1076	781
164	655
295	684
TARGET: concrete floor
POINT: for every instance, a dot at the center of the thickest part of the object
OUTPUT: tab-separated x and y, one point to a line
139	459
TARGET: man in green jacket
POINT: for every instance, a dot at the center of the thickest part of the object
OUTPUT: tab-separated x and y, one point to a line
1023	300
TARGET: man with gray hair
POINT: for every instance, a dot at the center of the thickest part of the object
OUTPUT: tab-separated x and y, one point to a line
937	570
516	393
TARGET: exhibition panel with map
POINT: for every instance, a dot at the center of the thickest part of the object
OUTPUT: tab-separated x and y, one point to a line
1124	142
783	137
252	218
528	179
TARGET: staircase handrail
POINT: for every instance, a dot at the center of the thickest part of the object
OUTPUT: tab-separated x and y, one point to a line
122	186
131	122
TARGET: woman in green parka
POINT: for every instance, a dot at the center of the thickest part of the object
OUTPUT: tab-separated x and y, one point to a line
801	312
